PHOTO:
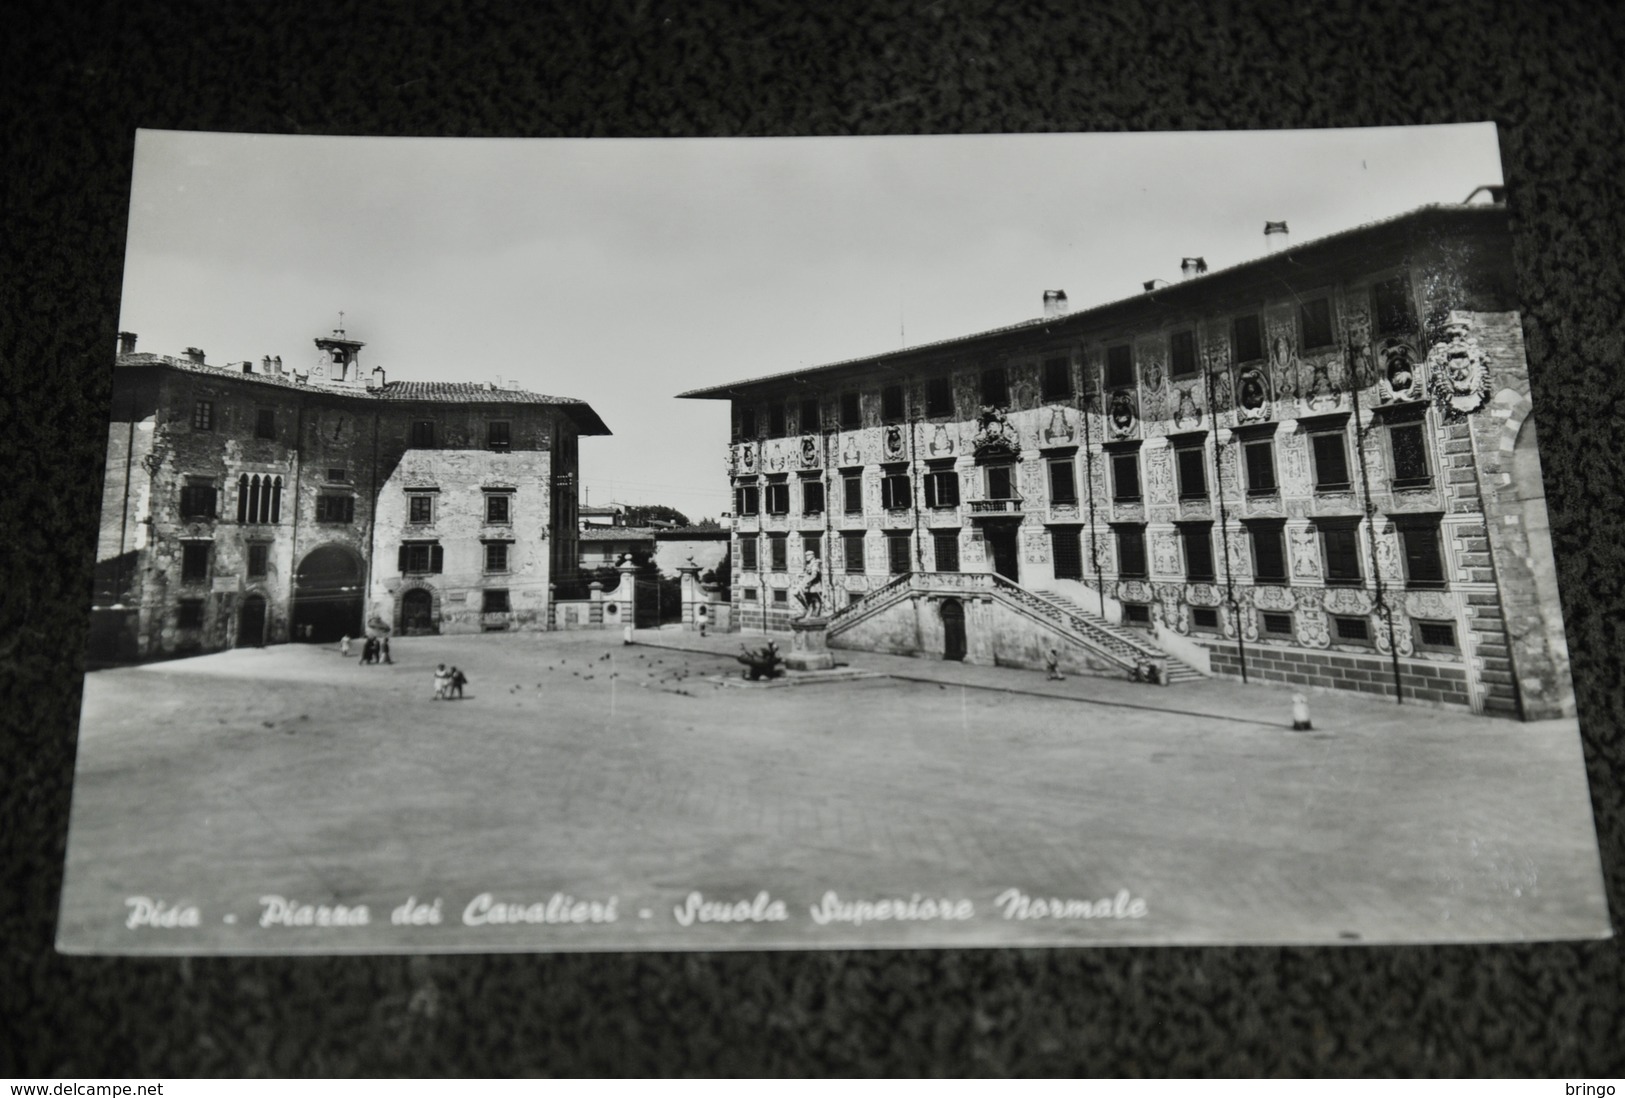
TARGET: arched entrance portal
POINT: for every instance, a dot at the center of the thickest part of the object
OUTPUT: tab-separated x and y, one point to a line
417	612
327	595
251	623
953	629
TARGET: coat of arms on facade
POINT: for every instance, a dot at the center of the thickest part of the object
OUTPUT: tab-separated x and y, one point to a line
1400	375
849	451
894	441
1059	432
1459	370
941	443
1186	413
994	435
1121	415
747	458
809	451
1252	395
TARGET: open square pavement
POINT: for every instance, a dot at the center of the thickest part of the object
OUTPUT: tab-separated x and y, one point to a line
584	791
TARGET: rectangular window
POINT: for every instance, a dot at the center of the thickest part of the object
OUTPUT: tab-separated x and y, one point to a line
259	555
420	510
1131	552
1260	458
1182	355
812	543
1392	312
421	556
1351	630
195	561
852	486
775	421
1331	461
1063	481
1269	552
265	423
1246	339
749	499
812	497
778	552
1126	477
338	475
1274	623
198	500
995	387
1424	557
1316	318
189	614
939	397
891	404
1119	366
423	434
945	547
897	553
750	594
1340	546
496	556
1057	383
778	497
780	595
747	554
1137	614
1435	636
498	508
809	417
747	423
1067	549
1198	539
1190	467
203	415
334	507
1001	482
851	411
1407	445
896	492
498	435
942	488
1204	617
494	602
852	551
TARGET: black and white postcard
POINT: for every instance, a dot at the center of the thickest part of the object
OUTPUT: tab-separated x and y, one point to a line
1066	539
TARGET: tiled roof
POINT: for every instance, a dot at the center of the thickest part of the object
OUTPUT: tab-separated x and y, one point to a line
1076	319
433	392
618	533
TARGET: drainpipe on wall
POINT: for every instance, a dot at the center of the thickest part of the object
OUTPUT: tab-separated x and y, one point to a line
1384	611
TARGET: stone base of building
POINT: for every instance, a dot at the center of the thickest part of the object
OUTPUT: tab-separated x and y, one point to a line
809	648
1421	681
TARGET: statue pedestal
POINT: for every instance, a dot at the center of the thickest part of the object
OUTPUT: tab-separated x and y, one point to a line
809	650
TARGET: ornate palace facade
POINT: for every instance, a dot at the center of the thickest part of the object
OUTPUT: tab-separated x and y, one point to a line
1314	467
250	503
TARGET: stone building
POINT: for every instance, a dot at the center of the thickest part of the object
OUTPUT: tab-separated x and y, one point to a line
1317	467
251	503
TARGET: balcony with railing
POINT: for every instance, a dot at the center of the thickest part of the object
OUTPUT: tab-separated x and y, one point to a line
996	507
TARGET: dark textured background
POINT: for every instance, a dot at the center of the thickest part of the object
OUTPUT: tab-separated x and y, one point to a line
81	76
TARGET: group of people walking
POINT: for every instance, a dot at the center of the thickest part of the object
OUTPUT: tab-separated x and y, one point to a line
448	681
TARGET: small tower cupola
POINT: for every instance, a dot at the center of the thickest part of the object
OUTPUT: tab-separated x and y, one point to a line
340	361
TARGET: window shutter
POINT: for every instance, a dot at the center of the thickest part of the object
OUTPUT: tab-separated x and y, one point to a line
1331	461
436	558
400	560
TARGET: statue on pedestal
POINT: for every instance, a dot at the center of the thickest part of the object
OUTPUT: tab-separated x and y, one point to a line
809	588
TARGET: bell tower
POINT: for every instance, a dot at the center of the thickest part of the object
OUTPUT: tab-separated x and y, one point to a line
340	359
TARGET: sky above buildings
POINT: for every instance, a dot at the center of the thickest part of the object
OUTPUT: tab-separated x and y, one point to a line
623	272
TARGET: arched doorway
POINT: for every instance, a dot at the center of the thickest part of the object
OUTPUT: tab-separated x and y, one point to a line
327	595
953	629
251	623
417	612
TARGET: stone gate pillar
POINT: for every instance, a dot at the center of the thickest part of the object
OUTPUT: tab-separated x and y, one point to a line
688	576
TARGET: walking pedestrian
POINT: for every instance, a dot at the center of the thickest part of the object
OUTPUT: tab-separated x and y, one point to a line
702	617
1052	664
366	651
344	646
386	651
458	681
442	683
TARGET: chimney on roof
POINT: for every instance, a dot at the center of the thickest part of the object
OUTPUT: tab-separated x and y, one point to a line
1275	236
1154	284
126	343
195	354
1190	267
248	367
375	380
1055	303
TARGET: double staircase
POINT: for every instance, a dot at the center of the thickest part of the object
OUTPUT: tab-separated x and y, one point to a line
1125	648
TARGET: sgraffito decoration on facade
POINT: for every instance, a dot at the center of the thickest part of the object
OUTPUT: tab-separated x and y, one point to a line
894	442
1294	465
942	443
994	435
1059	431
1187	406
747	457
1165	553
1283	360
1154	395
1311	629
1203	594
809	451
775	457
1458	371
1428	605
1347	600
1271	597
1366	365
1252	394
1388	560
1400	374
1240	553
1121	416
850	453
1320	390
1159	474
1037	542
1305	553
1380	623
1134	590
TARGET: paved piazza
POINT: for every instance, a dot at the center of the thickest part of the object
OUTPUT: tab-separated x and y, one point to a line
583	791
